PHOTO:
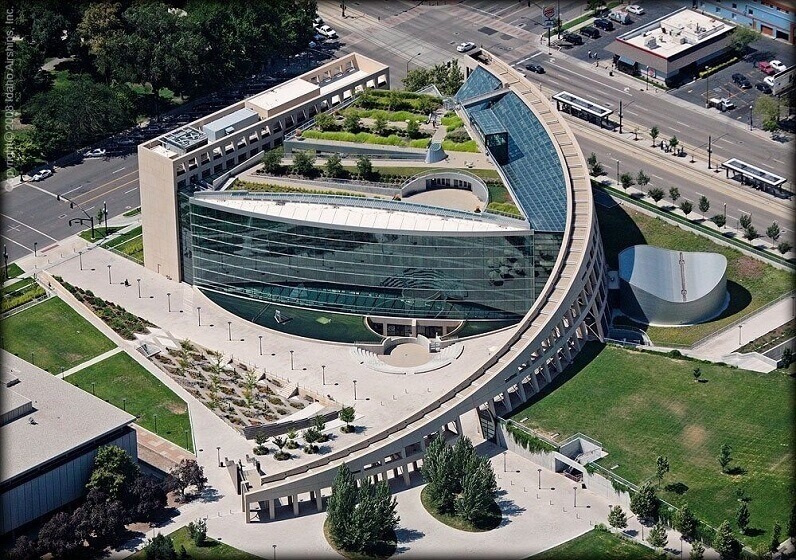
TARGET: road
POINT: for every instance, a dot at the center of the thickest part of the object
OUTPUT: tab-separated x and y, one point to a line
405	35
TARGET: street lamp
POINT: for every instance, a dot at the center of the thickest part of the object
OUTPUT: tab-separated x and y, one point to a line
168	297
617	172
218	454
410	60
79	258
5	258
540	478
504	461
291	360
93	388
575	496
187	441
156	422
124	404
739	334
323	374
750	117
229	330
109	275
36	243
105	213
199	315
261	344
707	87
138	280
274	551
355	389
647	78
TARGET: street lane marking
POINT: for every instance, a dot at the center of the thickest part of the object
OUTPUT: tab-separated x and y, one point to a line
602	85
16	243
112	172
119	178
106	193
29	227
131	190
72	190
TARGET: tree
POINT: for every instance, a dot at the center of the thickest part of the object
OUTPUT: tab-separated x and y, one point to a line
160	547
334	166
657	537
437	473
412	128
617	518
686	206
188	473
697	551
697	373
24	549
742	517
291	434
773	232
661	468
99	521
114	472
351	122
23	152
595	167
783	247
447	77
280	443
655	194
304	162
197	530
673	142
642	178
750	233
364	166
324	121
426	104
719	219
674	194
478	489
341	506
745	220
644	503
320	425
312	436
654	132
347	415
686	523
626	180
767	109
725	456
704	204
149	498
380	124
742	37
725	542
776	536
28	75
59	537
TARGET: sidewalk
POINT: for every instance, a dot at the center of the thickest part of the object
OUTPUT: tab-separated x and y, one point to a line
91	362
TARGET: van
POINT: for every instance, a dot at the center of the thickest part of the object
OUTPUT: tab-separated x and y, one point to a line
621	16
722	104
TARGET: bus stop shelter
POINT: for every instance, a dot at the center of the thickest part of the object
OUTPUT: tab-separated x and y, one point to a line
758	178
582	108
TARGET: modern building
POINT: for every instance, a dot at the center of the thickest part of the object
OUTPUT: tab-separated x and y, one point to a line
674	47
769	17
204	153
663	287
51	432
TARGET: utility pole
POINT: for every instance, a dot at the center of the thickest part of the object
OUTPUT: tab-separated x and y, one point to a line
709	152
558	17
620	116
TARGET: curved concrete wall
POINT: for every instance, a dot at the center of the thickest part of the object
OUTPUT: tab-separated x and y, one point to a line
474	184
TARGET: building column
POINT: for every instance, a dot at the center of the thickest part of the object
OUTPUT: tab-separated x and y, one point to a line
247	511
318	500
271	509
459	429
423	443
506	399
534	381
491	406
546	372
295	504
405	469
521	391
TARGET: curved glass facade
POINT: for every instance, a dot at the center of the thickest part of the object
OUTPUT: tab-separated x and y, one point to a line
486	276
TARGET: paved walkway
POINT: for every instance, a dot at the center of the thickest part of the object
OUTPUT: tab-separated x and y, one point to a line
157	451
91	362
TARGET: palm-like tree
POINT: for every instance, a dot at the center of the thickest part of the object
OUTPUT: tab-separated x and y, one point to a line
347	415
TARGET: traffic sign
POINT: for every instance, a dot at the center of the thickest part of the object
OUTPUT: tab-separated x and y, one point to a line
549	24
549	12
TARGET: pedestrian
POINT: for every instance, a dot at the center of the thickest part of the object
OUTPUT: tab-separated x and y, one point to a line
589	54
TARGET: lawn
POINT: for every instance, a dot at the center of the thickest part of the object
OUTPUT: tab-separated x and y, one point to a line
130	244
100	232
641	405
751	282
120	377
598	545
211	549
55	334
14	270
367	138
20	293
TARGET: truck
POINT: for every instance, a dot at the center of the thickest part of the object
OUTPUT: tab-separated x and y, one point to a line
722	104
621	16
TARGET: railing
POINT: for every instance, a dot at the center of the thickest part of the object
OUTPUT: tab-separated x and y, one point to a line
531	432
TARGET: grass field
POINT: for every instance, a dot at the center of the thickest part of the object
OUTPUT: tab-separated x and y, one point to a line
14	270
130	244
211	549
55	334
598	545
751	282
99	233
641	405
120	377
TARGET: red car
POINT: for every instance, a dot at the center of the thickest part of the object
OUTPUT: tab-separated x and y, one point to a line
766	67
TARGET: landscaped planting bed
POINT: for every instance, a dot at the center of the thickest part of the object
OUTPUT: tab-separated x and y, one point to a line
19	293
598	545
642	405
129	244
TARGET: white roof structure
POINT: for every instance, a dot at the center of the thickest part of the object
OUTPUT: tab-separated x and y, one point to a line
284	93
45	417
362	216
676	33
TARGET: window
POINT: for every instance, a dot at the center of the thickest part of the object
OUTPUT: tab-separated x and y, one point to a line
734	6
751	11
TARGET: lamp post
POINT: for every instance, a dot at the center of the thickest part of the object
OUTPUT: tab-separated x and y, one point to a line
709	151
105	214
274	551
155	416
229	330
218	455
750	117
323	374
199	315
540	478
5	259
410	60
109	275
138	281
35	243
187	441
575	496
168	298
291	360
261	344
504	461
617	172
93	388
647	79
124	404
707	88
79	259
355	389
740	327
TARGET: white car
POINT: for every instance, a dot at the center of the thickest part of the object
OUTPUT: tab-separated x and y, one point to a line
326	31
635	9
96	152
769	80
464	47
777	65
41	175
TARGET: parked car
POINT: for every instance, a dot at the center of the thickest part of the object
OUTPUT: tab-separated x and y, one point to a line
318	21
326	31
537	68
778	66
769	80
635	9
741	80
764	87
41	175
96	152
573	38
722	104
604	24
590	32
466	46
766	67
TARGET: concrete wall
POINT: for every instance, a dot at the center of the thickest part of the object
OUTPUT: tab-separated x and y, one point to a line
54	488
